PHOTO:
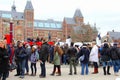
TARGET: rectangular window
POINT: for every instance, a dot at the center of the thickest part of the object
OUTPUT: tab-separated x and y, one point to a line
6	15
53	25
59	25
47	25
40	24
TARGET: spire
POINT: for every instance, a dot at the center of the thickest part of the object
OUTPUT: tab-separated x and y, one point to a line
78	13
13	7
29	5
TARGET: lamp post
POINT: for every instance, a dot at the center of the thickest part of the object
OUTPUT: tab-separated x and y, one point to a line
11	30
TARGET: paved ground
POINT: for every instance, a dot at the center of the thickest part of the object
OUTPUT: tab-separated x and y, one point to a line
65	76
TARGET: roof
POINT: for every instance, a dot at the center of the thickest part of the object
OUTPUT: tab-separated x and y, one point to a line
29	6
11	14
78	13
114	35
48	24
69	20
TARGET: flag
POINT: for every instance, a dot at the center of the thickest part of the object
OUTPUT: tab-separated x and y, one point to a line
98	40
99	37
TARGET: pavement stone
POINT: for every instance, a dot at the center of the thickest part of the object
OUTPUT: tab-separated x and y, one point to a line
65	76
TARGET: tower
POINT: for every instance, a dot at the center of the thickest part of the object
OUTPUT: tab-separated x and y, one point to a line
29	19
78	17
13	8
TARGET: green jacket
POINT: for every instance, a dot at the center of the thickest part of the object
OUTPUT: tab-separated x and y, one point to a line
56	59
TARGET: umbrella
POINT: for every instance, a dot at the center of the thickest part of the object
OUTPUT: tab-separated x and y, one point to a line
39	43
51	43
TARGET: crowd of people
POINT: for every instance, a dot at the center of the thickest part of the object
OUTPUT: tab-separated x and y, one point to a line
18	55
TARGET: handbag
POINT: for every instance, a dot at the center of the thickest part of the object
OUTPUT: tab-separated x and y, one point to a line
82	58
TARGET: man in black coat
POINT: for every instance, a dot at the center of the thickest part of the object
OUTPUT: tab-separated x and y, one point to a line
43	57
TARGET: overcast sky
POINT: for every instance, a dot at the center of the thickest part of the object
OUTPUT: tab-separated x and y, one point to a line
105	13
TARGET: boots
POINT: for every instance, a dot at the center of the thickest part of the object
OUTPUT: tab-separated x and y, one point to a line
95	71
108	69
104	69
59	70
54	69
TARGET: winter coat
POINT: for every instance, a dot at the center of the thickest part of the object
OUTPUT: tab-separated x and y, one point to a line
72	52
94	54
20	54
104	52
56	59
86	52
43	55
114	53
4	60
34	57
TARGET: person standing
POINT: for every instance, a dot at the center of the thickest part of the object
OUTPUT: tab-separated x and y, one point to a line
28	51
4	61
33	59
94	57
56	61
115	57
84	51
21	57
72	58
43	55
105	58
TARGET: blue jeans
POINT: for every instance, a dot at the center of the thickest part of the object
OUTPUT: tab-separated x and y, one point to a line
64	58
43	69
26	65
22	67
51	57
104	64
83	66
116	65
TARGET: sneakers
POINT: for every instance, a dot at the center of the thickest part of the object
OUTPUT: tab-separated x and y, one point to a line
22	77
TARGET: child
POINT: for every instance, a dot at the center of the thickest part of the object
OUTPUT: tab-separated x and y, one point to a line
33	59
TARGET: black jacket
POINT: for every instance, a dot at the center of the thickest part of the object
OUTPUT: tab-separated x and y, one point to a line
114	54
20	54
86	52
44	52
105	51
72	52
4	60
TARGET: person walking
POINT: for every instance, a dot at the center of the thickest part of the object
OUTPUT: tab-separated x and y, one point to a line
72	58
